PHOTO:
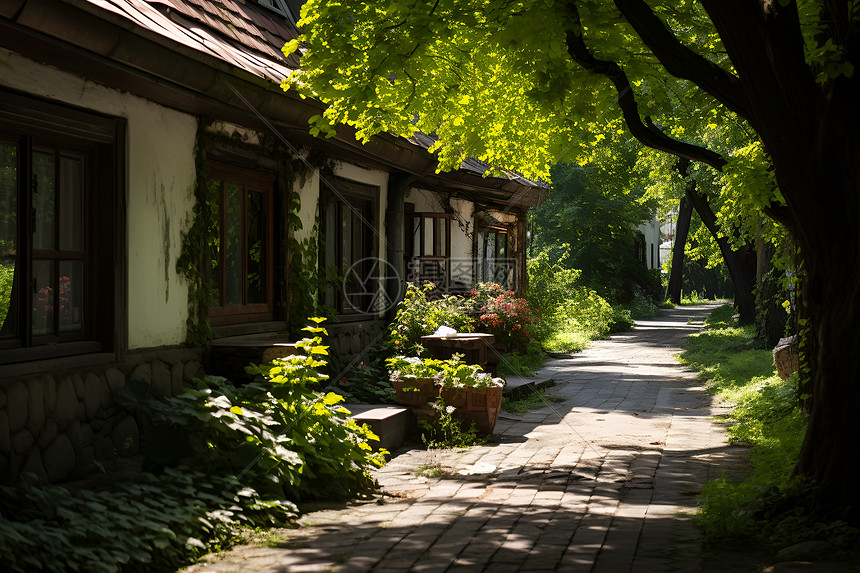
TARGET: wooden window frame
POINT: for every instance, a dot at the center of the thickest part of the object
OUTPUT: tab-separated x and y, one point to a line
481	257
436	258
35	124
249	180
364	198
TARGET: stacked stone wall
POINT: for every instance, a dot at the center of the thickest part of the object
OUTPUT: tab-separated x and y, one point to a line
348	340
65	424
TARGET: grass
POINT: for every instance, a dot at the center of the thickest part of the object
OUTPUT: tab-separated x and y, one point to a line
766	508
432	471
530	402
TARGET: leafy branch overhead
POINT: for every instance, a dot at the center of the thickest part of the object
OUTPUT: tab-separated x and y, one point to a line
760	95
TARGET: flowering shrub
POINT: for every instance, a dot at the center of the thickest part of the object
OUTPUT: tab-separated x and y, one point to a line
504	315
419	316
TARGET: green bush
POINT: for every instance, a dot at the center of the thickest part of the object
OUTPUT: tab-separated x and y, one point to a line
218	458
419	315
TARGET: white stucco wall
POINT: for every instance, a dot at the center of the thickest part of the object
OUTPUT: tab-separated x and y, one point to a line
160	178
651	230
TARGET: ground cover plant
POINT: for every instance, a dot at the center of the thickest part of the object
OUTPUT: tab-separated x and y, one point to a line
217	458
768	508
531	401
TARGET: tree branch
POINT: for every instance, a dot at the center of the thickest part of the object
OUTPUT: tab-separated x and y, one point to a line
645	131
681	61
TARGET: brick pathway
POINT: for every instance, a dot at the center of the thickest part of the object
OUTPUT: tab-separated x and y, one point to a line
603	482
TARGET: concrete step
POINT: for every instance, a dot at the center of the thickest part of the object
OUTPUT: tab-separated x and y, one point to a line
391	423
517	387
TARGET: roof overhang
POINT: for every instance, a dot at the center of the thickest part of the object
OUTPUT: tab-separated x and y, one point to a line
111	49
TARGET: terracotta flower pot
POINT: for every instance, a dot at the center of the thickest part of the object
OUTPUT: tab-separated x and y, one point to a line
415	392
481	406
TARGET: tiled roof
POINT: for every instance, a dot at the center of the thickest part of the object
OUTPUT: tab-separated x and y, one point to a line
231	30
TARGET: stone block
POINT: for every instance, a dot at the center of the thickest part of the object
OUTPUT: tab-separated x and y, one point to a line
33	464
192	370
67	404
22	441
80	387
74	434
115	379
142	372
161	381
177	382
103	448
49	391
18	408
786	357
5	435
126	437
86	435
92	397
35	406
48	434
84	460
3	401
59	458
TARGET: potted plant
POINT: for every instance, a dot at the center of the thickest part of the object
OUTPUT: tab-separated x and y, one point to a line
414	379
475	394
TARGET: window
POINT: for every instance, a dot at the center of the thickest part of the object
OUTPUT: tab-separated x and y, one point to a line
60	224
349	255
428	249
494	263
240	209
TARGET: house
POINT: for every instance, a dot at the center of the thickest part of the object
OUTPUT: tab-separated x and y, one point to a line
162	203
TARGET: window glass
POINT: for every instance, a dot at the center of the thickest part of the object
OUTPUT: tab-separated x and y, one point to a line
71	204
233	255
43	200
8	238
256	264
71	297
240	246
43	298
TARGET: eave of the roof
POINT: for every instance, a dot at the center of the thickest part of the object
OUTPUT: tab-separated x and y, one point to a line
118	48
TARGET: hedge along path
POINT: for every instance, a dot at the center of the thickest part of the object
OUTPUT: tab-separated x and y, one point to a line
604	481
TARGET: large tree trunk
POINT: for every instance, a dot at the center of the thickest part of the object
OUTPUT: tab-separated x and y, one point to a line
682	229
739	262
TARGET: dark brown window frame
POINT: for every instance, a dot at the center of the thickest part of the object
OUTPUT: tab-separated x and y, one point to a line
354	196
436	259
249	180
505	229
32	123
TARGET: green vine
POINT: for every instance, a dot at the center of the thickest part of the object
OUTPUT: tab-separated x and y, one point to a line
300	282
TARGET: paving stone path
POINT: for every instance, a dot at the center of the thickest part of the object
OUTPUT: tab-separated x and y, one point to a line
604	481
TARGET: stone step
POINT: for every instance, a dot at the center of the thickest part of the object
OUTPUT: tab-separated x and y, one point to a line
517	387
391	423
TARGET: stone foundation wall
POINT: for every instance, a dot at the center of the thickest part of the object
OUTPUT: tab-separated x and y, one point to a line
65	424
350	339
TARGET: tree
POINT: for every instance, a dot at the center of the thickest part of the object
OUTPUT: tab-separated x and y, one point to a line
594	211
524	84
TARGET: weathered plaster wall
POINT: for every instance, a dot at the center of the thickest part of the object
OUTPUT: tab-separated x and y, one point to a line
160	175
